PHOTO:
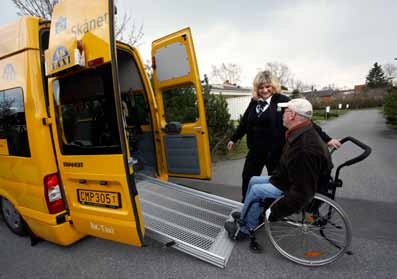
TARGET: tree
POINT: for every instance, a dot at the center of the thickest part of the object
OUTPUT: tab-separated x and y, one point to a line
39	8
149	71
376	77
330	87
297	85
295	94
220	127
180	104
390	71
229	73
390	106
281	71
126	30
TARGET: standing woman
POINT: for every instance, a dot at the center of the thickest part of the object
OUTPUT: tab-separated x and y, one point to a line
262	123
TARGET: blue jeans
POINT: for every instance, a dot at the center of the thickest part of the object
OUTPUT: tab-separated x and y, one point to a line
259	188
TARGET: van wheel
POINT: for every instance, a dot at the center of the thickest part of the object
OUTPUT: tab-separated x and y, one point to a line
12	218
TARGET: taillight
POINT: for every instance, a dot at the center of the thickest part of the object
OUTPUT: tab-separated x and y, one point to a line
53	194
95	62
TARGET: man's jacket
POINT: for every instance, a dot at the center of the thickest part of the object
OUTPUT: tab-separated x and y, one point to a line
305	158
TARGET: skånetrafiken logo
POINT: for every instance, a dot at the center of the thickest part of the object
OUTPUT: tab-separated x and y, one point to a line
60	25
9	72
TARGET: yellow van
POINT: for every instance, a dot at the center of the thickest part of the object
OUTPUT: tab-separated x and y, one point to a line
82	132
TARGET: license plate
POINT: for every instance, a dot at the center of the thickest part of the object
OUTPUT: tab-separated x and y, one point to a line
99	198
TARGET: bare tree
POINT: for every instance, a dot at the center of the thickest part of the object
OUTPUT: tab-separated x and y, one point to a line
126	29
390	71
298	85
149	69
331	87
281	71
39	8
230	73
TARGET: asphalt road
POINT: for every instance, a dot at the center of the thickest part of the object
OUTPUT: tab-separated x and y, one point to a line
368	196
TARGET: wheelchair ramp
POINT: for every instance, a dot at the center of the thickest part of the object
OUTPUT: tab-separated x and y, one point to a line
188	220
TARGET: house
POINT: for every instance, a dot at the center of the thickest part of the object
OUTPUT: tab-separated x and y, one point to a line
324	95
359	88
237	97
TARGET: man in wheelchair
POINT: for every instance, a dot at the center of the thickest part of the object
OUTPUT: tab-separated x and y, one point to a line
304	160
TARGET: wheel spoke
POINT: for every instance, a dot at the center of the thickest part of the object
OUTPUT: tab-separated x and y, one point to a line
316	238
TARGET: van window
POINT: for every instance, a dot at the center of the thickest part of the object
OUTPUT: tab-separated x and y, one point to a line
13	131
180	104
85	113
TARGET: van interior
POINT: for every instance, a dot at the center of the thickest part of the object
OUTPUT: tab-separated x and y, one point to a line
86	116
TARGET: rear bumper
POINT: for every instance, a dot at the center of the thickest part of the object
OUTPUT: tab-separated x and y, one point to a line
63	234
45	226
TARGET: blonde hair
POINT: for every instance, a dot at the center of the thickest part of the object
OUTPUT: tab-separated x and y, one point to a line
265	77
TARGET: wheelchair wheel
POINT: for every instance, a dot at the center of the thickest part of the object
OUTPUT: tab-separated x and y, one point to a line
315	236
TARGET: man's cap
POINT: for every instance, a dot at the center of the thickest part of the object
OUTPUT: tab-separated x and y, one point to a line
300	106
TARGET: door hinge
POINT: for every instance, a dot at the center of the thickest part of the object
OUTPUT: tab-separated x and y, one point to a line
47	121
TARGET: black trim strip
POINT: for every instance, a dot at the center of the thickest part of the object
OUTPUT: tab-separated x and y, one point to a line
130	178
61	218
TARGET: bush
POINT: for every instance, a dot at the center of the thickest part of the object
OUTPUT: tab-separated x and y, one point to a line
220	127
355	101
180	104
390	106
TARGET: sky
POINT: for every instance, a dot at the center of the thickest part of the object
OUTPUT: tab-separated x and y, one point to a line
322	42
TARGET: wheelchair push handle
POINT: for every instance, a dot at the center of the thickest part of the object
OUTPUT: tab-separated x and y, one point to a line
362	156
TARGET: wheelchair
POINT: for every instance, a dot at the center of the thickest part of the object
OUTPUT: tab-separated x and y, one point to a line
319	233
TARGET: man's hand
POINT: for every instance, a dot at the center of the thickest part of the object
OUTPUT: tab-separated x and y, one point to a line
267	213
230	145
334	143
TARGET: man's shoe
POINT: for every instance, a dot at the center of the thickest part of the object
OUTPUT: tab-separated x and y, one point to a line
242	236
233	231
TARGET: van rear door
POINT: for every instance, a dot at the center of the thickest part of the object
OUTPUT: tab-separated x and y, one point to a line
89	131
184	132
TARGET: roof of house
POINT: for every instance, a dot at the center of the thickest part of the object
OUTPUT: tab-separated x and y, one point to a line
229	89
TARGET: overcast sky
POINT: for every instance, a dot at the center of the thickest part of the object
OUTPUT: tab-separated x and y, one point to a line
322	41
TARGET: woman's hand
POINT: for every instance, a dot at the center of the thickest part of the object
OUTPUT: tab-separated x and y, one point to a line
334	143
230	145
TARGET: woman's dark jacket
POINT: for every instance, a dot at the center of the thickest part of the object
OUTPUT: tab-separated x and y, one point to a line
266	133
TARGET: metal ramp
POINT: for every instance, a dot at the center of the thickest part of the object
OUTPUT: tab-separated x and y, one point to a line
189	220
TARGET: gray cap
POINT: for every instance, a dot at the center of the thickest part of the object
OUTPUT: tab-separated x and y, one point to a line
300	106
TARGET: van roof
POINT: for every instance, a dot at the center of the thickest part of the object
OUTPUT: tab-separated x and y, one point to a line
19	35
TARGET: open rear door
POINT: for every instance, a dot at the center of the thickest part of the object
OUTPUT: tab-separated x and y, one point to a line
89	132
184	132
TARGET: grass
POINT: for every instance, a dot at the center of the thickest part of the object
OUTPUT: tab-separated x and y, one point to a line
319	115
239	151
392	126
